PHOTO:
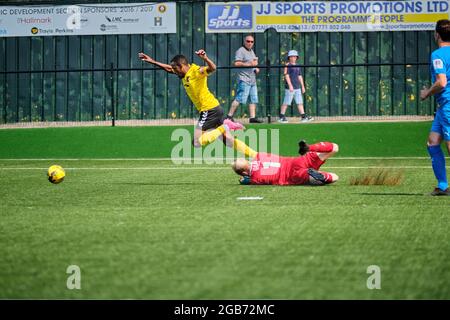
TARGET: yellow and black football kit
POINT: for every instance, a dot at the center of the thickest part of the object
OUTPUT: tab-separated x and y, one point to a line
211	114
196	85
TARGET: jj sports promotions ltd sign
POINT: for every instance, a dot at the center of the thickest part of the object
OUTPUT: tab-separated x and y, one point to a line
316	16
88	19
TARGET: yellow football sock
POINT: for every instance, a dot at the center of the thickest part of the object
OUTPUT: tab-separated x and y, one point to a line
212	135
243	148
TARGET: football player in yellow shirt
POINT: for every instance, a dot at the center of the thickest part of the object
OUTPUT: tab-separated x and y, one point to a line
210	125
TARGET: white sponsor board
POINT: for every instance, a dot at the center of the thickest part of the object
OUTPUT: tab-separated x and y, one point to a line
325	16
88	19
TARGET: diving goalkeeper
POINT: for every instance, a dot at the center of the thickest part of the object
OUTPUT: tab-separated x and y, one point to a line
272	169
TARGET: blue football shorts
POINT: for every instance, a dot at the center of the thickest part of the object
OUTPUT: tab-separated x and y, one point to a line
441	122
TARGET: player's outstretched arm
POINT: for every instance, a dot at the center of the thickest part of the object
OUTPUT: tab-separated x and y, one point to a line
148	59
211	65
438	86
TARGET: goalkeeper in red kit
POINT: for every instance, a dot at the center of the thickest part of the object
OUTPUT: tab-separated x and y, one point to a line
266	168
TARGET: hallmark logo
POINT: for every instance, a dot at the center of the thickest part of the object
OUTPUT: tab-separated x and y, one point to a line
46	20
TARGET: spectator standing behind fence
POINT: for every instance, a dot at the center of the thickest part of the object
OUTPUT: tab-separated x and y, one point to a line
295	88
246	86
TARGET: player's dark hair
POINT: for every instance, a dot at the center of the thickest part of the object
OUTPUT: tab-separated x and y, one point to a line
443	29
179	59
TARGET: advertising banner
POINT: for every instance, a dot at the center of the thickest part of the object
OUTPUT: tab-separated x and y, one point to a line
317	16
87	19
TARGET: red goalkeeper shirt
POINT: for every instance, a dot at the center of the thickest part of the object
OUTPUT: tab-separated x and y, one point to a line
268	168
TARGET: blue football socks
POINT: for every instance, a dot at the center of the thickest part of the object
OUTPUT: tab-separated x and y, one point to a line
438	164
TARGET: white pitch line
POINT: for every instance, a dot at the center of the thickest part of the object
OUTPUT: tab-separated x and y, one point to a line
379	167
123	168
249	198
210	168
100	159
205	159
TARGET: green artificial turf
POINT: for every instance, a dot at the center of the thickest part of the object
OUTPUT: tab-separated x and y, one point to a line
150	229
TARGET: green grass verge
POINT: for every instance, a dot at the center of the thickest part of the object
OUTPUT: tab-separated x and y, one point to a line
355	139
149	229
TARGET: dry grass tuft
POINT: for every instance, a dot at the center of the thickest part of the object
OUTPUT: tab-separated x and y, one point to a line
378	177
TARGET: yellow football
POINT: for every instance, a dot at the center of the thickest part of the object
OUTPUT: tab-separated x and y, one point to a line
56	174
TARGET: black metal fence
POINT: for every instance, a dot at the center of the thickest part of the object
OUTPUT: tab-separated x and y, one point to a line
134	93
68	78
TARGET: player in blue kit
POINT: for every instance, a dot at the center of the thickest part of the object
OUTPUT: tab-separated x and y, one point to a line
440	129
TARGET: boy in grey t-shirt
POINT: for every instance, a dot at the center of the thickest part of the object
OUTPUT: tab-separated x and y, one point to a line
246	86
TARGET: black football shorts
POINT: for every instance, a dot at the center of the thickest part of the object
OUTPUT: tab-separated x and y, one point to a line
210	119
